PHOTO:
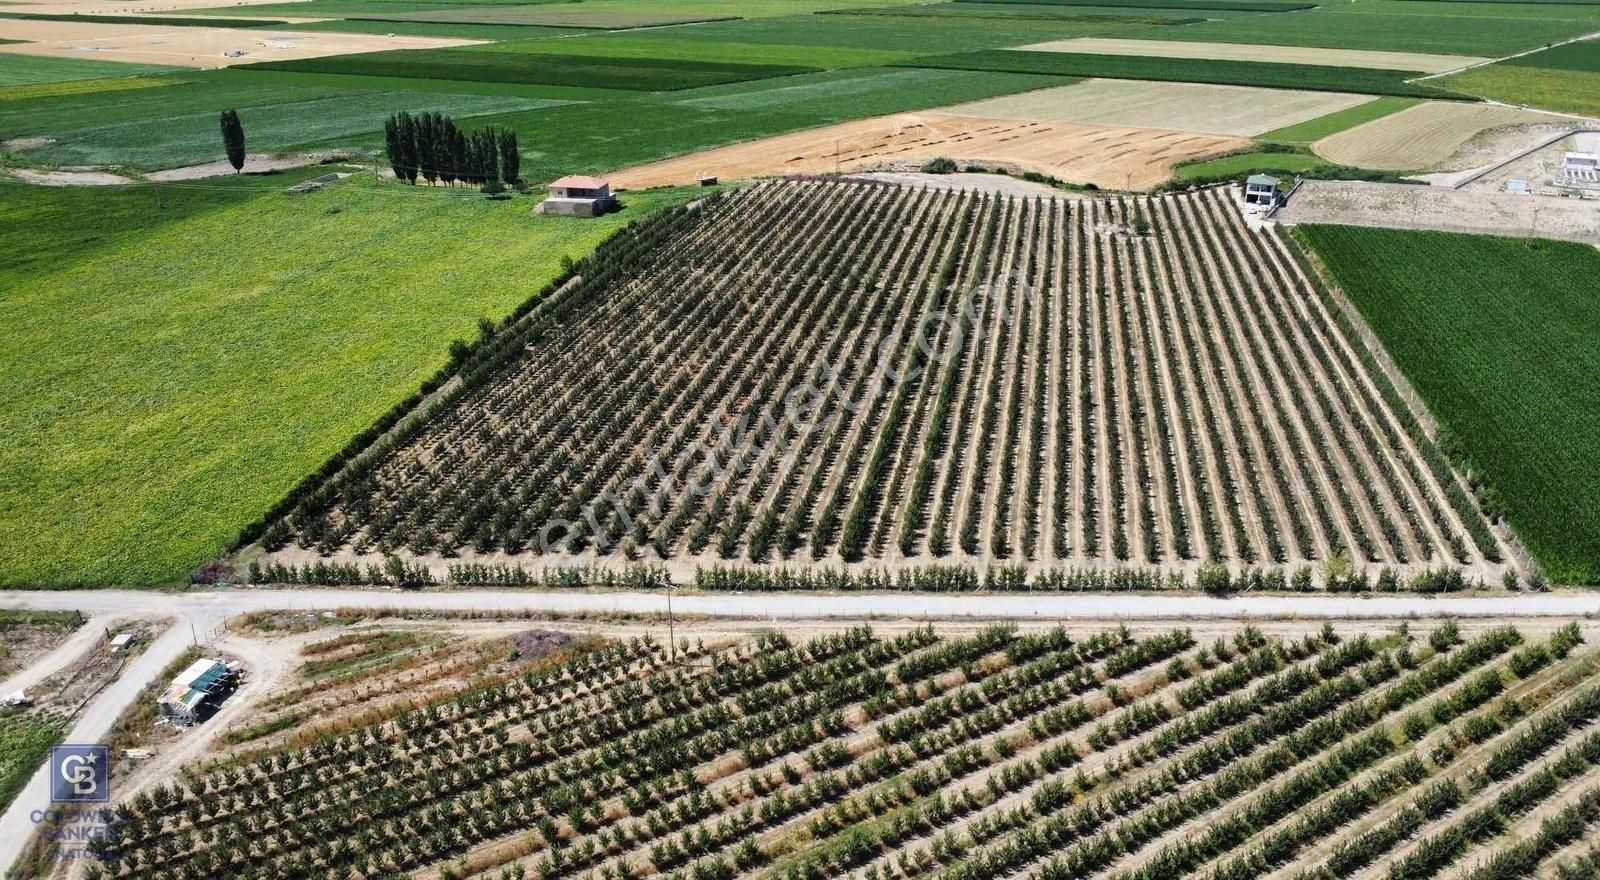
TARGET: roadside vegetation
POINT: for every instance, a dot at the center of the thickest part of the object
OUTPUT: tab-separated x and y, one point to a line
25	740
1507	376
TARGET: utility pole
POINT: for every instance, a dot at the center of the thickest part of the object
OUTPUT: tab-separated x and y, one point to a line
194	635
672	639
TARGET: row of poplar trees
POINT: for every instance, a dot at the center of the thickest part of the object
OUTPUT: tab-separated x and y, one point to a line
432	146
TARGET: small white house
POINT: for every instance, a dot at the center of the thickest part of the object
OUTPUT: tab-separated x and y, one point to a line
1261	190
577	195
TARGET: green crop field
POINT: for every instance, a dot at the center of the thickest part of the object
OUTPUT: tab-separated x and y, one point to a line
595	130
1313	130
25	740
1241	164
1565	78
1032	11
1584	56
150	144
1565	90
438	29
161	20
26	69
175	369
1413	27
1220	5
639	74
1500	336
919	34
1239	73
681	48
554	15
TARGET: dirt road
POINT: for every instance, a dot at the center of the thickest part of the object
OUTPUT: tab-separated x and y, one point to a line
206	611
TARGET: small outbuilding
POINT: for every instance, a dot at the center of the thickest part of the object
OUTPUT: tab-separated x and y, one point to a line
1580	167
197	691
578	195
1262	190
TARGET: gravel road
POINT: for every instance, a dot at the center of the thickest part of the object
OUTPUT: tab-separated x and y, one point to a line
206	611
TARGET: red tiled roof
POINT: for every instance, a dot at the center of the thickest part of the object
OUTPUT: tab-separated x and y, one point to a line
579	181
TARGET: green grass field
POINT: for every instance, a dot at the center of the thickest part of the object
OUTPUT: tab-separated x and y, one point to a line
1239	5
634	74
18	70
683	48
1565	78
25	740
175	370
1501	337
1415	26
1313	130
150	144
1241	164
1239	73
599	130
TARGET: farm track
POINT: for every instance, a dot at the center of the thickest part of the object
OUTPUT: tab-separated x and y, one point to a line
814	372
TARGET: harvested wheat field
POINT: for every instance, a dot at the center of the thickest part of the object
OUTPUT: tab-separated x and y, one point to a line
192	46
1419	61
1424	137
1213	109
1107	156
852	372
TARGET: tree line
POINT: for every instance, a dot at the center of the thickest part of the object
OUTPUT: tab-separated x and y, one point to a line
432	146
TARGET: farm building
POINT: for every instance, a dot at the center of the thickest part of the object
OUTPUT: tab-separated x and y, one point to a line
1261	189
197	690
577	195
1580	168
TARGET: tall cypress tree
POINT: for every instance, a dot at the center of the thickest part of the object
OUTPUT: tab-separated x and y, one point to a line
428	146
510	159
407	137
233	139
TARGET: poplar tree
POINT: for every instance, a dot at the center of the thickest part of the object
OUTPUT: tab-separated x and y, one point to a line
233	139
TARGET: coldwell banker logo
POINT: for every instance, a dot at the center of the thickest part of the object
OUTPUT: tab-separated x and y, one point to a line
80	774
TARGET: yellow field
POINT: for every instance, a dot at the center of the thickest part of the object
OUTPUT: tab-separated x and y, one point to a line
1238	111
192	46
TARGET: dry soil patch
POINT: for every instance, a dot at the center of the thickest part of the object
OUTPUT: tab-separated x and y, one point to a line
1214	109
1424	137
1403	206
193	46
1418	61
1107	156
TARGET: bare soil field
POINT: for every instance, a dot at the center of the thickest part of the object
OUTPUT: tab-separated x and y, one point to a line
1418	61
24	642
1404	206
69	178
1214	109
193	46
1541	167
1432	136
1107	156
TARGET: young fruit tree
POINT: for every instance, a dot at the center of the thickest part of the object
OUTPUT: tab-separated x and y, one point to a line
233	139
